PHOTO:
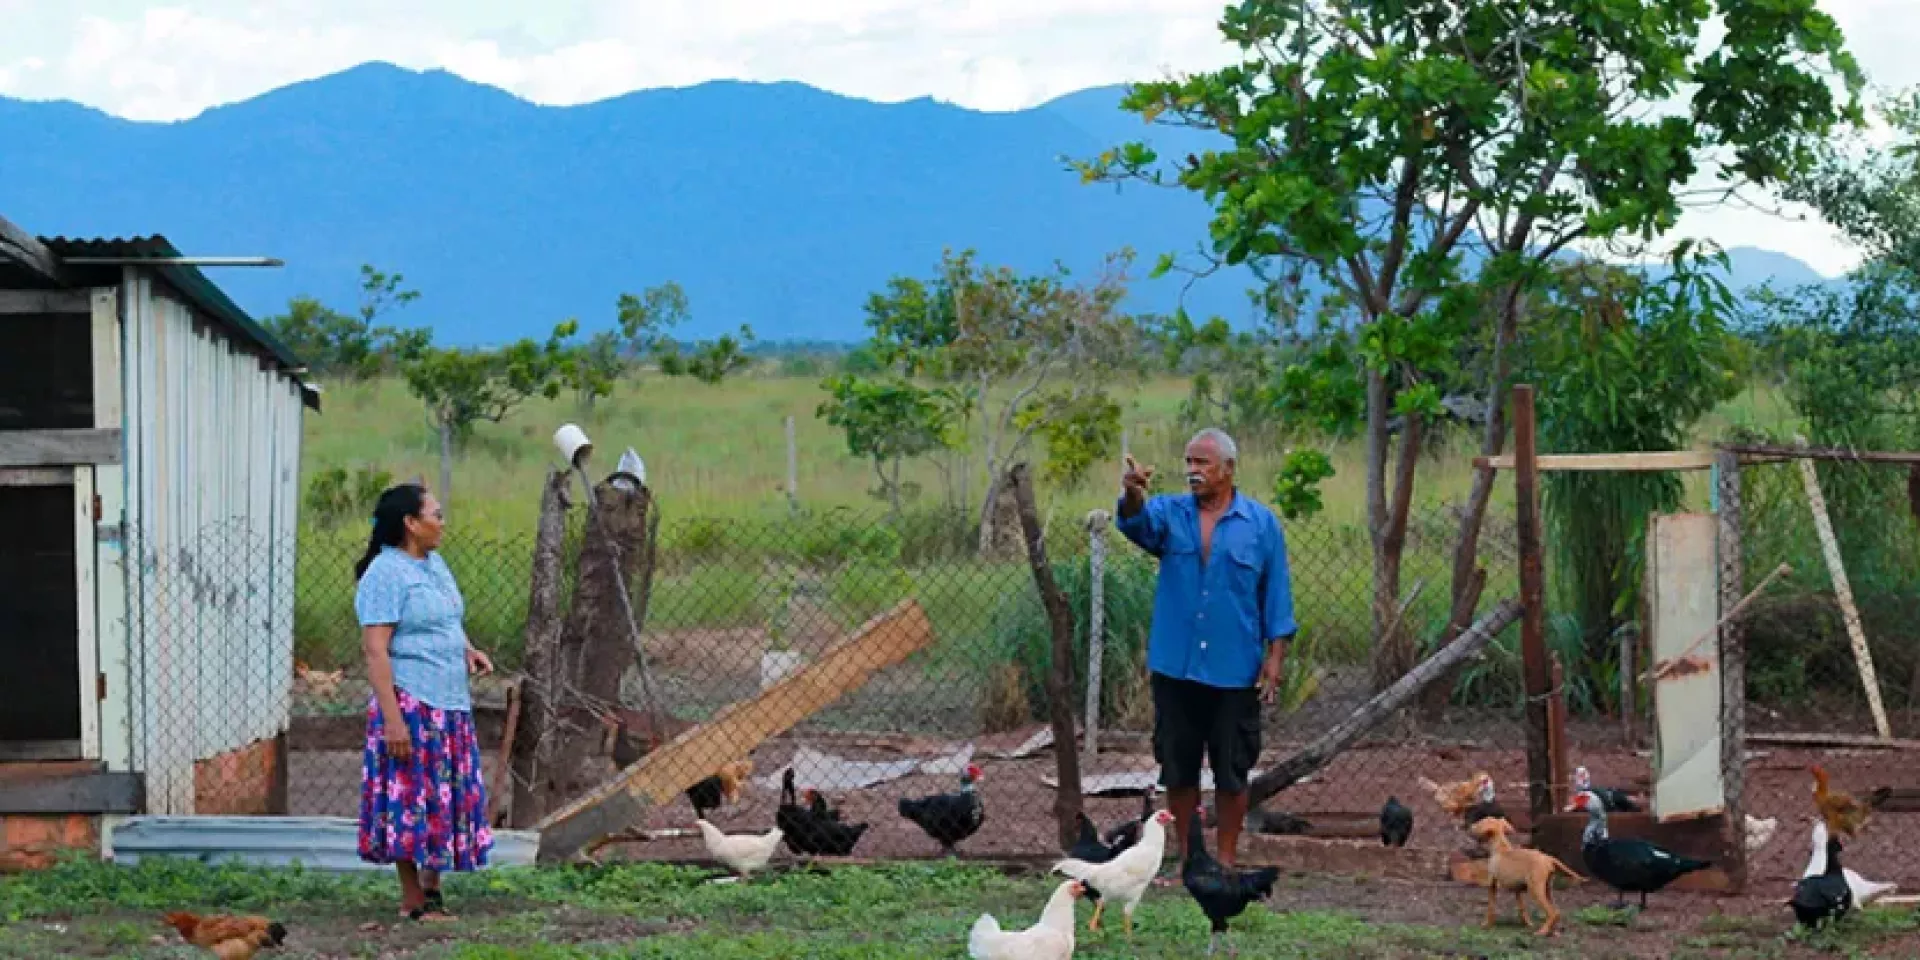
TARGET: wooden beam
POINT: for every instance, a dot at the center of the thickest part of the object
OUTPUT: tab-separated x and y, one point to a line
1773	453
21	247
1646	462
1831	741
1066	799
1843	592
663	774
1536	670
45	301
55	448
1728	545
106	792
36	476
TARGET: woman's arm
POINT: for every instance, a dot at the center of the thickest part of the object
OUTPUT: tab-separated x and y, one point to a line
375	641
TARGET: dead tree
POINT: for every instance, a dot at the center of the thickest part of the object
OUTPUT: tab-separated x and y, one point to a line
536	733
1067	801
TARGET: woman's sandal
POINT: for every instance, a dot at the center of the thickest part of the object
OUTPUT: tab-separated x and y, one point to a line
434	907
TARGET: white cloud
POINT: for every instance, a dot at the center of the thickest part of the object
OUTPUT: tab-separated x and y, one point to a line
151	61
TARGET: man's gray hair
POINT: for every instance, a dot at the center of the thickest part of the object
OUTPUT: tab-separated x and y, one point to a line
1229	451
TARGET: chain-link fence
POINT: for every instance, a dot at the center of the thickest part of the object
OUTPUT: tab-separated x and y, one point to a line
735	606
1832	653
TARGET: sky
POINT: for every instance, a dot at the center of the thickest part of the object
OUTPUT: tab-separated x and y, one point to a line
159	61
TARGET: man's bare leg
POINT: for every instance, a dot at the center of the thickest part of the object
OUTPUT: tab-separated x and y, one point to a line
1231	808
1185	804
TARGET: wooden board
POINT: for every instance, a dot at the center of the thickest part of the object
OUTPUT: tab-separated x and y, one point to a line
53	448
1683	586
734	732
1843	741
1606	462
98	792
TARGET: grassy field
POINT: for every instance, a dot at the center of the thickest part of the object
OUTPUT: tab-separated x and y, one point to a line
909	912
716	457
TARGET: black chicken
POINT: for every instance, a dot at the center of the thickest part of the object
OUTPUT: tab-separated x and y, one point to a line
1627	865
1221	893
1826	897
813	830
1396	823
1275	823
1615	801
948	817
1087	844
1123	835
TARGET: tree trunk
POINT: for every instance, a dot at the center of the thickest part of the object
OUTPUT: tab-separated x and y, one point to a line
446	464
1066	800
595	649
1469	579
1320	752
1394	652
534	738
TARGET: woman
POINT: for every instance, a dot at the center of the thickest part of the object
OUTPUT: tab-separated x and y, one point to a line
423	799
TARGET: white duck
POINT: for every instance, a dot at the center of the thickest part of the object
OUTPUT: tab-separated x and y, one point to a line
1050	939
1864	891
1126	877
742	853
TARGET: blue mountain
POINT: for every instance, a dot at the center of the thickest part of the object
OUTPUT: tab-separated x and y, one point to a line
774	204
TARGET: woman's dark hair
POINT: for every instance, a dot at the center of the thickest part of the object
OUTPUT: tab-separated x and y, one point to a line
390	521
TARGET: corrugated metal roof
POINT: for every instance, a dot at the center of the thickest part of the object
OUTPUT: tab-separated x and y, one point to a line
316	843
191	283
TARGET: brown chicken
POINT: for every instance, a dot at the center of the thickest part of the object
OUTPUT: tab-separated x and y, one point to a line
1838	808
1456	797
229	938
723	788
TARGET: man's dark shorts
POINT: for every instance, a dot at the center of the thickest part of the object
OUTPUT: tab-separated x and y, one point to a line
1192	720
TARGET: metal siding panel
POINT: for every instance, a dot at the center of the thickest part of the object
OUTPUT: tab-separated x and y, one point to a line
112	407
1683	573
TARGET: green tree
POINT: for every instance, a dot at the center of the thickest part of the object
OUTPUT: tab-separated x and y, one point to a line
1027	350
645	321
462	387
889	421
352	347
591	369
1386	145
1622	364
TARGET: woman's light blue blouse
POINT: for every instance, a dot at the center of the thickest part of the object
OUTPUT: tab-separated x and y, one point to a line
421	601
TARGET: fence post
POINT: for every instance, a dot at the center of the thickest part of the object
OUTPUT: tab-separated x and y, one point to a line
1733	664
793	467
1533	622
1096	621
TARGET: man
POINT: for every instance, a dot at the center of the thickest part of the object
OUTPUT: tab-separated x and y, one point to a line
1222	618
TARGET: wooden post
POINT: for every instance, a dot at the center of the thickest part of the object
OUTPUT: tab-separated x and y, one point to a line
1557	735
1733	665
1097	521
1533	614
793	467
1066	799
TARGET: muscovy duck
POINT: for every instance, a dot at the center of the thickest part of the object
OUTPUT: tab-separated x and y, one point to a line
1627	865
948	817
1826	897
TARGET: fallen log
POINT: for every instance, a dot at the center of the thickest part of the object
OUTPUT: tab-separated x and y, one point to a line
1322	751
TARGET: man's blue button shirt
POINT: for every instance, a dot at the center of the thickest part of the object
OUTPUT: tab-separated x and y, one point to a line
1213	616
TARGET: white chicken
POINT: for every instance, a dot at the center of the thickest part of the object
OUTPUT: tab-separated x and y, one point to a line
1126	877
1049	939
742	853
1864	891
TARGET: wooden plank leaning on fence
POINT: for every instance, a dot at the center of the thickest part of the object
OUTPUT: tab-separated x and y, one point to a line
662	774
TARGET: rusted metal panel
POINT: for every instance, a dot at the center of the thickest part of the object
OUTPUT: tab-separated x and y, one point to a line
1683	589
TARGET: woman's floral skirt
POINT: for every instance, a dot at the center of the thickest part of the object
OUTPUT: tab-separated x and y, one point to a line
431	809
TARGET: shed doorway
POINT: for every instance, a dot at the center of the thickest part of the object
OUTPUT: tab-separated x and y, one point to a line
46	615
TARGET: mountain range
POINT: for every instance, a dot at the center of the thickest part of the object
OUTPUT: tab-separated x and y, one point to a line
777	205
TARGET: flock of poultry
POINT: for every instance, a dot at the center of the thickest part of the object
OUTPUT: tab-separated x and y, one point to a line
1825	892
1121	863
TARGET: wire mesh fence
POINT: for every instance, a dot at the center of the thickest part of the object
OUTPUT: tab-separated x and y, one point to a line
736	611
1832	653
